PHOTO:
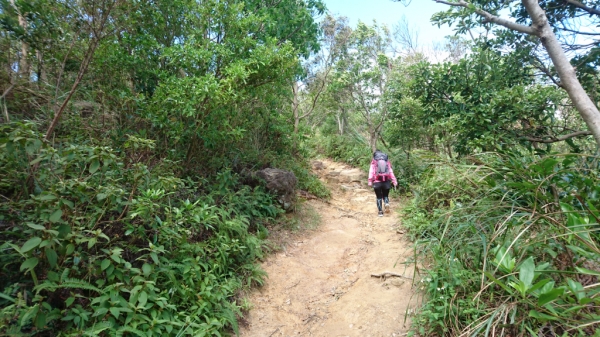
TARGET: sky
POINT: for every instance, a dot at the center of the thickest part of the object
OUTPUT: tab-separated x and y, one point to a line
418	14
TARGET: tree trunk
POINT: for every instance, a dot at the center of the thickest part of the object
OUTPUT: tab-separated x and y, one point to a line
341	120
587	109
295	105
23	61
373	140
82	70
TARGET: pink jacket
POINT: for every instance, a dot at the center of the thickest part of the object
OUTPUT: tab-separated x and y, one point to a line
373	169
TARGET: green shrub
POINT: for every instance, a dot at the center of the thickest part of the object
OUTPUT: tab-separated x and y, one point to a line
105	246
512	242
347	149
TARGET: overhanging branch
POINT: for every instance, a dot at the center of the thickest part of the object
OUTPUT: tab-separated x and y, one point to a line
584	7
491	18
558	139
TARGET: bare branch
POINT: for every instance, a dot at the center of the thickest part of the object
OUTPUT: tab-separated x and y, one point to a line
491	18
558	139
584	7
7	91
541	67
579	32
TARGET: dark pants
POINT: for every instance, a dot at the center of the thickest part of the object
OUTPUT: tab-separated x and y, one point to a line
382	190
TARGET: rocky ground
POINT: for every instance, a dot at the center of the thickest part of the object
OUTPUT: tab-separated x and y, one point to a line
321	283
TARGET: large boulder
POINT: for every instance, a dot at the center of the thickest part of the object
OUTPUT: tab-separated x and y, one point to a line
281	183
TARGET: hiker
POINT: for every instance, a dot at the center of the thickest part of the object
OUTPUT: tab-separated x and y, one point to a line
381	176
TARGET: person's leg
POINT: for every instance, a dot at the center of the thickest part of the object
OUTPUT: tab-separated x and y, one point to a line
386	200
386	193
379	194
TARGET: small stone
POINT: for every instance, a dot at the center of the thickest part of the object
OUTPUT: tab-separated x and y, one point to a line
351	325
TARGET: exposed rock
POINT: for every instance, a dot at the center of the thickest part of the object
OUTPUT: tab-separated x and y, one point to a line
281	183
318	165
353	175
333	176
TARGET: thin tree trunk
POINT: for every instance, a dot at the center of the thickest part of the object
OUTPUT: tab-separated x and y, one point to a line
373	140
82	70
588	110
23	61
295	106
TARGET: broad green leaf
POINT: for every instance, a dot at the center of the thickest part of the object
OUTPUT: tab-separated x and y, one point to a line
105	263
154	257
34	226
55	217
36	160
63	230
538	285
52	276
576	288
6	297
100	312
146	269
115	312
29	264
541	316
94	165
142	299
30	244
550	296
52	257
92	242
68	203
47	197
587	271
40	320
526	271
69	301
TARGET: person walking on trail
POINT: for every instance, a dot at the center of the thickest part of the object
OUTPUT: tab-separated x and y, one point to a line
381	177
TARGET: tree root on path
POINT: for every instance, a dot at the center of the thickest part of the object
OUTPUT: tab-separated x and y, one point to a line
387	274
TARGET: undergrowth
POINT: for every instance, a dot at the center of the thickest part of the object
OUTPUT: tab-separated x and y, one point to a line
510	245
109	246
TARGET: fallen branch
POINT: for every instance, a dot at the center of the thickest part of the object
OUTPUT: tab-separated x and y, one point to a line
387	274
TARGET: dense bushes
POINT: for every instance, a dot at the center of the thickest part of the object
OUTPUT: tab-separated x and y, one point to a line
108	246
510	243
352	150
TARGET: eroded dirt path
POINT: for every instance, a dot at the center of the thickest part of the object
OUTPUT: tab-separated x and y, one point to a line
321	283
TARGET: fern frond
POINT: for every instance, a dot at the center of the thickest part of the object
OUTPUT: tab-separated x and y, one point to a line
45	286
78	284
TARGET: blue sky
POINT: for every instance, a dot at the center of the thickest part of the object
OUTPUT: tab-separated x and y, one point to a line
418	14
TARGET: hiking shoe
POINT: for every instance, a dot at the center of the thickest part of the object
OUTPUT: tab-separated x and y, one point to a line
380	213
387	207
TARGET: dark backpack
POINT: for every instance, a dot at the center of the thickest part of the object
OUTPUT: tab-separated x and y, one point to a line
382	170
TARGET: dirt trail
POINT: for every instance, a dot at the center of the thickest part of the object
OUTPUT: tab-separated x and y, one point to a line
321	283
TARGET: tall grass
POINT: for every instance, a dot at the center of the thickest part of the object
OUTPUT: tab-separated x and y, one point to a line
509	246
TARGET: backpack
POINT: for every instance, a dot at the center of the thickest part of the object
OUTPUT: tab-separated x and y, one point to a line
382	169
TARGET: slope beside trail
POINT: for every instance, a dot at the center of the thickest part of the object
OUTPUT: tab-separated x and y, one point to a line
321	283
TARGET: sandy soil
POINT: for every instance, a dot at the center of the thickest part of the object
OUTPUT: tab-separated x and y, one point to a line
321	283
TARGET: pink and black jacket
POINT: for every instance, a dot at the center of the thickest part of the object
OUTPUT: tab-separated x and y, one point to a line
373	176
